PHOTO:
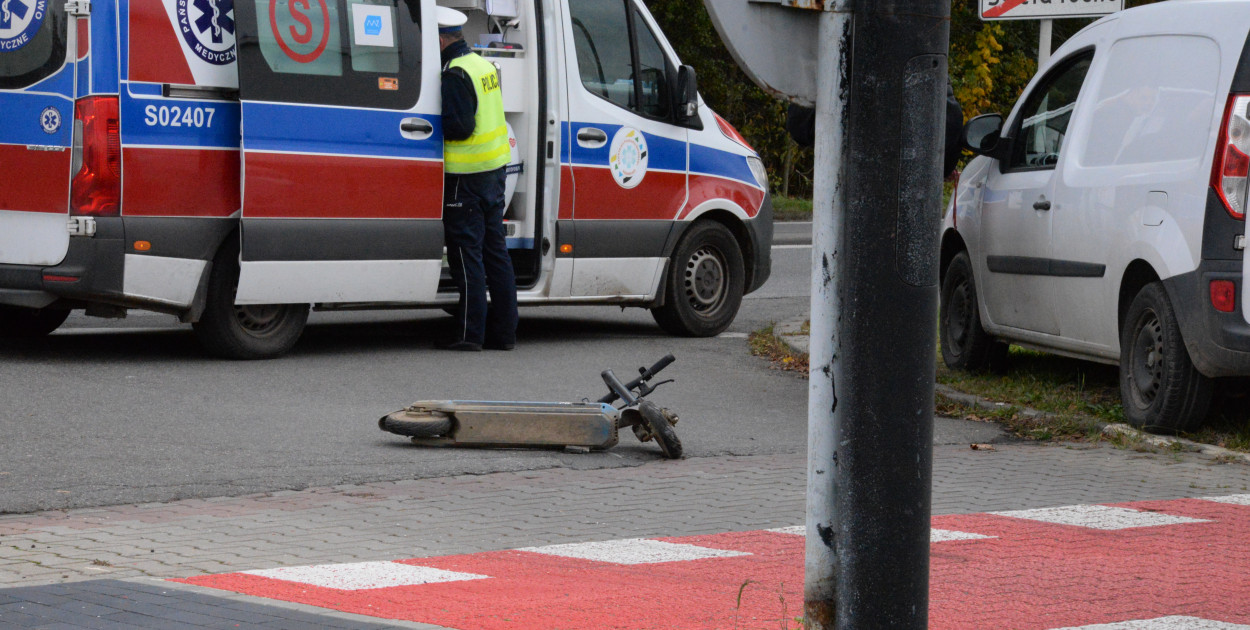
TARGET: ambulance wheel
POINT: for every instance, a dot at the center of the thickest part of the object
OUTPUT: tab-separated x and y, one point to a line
18	322
1159	386
706	278
660	428
425	427
260	331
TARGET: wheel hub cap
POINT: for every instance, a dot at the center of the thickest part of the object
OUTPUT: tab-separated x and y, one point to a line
705	279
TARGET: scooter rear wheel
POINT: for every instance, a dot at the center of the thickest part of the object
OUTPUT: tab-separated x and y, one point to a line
660	428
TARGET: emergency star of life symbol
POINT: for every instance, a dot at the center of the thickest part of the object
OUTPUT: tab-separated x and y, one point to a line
208	28
19	22
50	120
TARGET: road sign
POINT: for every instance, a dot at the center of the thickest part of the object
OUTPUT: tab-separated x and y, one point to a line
1047	9
774	42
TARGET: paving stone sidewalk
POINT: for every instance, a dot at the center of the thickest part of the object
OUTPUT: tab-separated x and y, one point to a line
42	552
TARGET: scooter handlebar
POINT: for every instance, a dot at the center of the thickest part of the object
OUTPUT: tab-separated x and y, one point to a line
645	374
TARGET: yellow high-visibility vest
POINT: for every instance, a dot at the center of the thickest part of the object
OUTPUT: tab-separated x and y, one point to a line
487	149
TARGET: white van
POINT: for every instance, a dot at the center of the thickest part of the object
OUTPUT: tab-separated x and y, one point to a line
147	161
1105	217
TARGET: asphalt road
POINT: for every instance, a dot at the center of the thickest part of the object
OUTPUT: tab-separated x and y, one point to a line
129	411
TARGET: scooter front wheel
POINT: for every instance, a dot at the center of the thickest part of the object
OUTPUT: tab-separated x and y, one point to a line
660	429
423	426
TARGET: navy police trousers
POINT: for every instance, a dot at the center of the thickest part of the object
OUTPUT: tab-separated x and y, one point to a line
477	253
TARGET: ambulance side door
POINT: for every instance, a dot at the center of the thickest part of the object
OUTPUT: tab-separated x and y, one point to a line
628	159
342	151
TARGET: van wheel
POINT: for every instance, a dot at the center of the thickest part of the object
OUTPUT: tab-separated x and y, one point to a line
19	322
244	332
1159	386
965	345
705	283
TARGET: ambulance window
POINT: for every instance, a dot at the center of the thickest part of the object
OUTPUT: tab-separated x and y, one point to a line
32	41
652	72
363	53
604	60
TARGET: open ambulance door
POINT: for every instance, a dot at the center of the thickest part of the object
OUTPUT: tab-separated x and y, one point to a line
342	151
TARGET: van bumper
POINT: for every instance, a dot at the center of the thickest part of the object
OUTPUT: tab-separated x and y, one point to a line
760	231
1218	343
90	272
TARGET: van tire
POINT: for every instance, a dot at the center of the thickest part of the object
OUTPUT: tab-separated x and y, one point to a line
19	322
965	344
244	332
1159	386
705	283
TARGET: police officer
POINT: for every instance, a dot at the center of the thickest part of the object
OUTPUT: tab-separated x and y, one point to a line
475	155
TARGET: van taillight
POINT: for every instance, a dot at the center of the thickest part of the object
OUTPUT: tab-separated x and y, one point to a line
96	189
1231	169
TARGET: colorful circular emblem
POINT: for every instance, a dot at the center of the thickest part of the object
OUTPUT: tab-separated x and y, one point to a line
50	119
306	33
207	26
628	157
20	21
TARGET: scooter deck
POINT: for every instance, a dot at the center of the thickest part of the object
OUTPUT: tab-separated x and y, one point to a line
517	424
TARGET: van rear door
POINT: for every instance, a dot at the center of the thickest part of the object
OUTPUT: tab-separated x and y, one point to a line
36	130
342	151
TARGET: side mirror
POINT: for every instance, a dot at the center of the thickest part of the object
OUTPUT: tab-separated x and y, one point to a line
981	134
687	94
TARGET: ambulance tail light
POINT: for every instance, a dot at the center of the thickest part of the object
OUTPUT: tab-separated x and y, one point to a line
96	188
1230	171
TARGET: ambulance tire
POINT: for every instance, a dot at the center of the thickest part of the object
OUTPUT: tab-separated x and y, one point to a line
18	322
706	279
244	332
661	430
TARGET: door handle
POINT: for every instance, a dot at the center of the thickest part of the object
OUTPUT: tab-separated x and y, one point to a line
591	138
1041	204
415	128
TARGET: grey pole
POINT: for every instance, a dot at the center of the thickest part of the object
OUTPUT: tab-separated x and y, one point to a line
873	357
828	208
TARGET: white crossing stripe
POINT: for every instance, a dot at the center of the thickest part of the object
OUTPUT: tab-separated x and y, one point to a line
1099	517
733	335
935	535
1234	499
357	576
944	535
634	551
1164	623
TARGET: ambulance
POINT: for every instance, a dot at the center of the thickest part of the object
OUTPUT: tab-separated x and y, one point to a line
237	165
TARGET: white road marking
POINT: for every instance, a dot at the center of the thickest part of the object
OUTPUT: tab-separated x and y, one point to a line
634	551
357	576
944	535
792	246
935	535
733	335
1099	517
1232	499
1164	623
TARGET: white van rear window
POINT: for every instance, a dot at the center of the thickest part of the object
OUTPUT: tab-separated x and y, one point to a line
1156	101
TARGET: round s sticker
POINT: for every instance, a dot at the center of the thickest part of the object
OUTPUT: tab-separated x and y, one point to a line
628	157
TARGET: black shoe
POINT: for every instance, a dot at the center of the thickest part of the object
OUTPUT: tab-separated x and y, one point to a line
498	346
462	346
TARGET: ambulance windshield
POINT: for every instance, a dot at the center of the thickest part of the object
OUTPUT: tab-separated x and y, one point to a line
32	41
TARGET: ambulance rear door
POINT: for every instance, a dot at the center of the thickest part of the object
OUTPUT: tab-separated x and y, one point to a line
342	151
629	160
36	131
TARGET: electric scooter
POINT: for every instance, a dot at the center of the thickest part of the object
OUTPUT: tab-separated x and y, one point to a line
576	425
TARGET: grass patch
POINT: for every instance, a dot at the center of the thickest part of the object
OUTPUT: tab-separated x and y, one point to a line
791	209
1076	397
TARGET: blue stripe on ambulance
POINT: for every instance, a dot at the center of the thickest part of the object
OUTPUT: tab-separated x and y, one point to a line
664	153
123	41
142	118
708	161
103	52
62	82
337	131
22	113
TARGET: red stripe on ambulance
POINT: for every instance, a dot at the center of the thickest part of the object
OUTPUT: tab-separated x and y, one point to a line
207	182
41	187
659	196
346	187
704	188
